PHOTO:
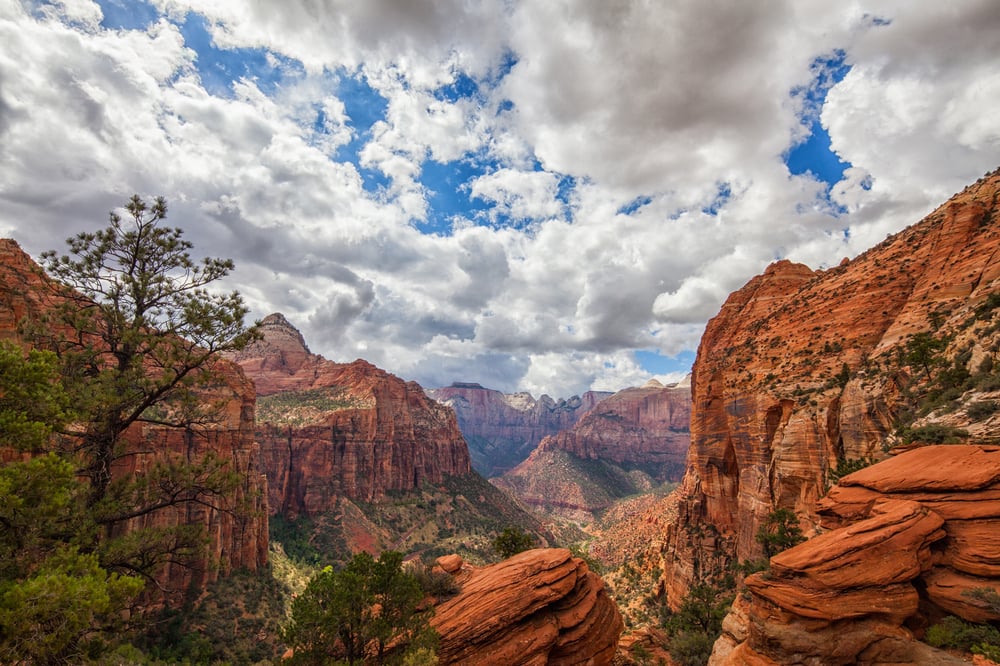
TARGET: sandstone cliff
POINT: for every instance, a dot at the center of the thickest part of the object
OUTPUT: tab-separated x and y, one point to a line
502	429
910	538
628	443
802	370
330	430
236	526
538	607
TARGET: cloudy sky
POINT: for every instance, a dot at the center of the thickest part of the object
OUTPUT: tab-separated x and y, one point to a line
543	195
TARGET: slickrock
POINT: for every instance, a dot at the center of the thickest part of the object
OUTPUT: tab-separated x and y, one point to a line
793	376
896	560
330	430
642	431
237	528
539	607
502	429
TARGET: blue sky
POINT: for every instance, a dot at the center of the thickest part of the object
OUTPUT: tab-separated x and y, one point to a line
463	192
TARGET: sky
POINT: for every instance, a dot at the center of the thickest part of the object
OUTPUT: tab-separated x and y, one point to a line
551	195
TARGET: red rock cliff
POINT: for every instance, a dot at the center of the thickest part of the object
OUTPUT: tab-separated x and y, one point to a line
237	528
502	429
329	429
773	407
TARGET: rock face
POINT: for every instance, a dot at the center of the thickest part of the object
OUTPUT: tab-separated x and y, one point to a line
237	527
330	430
539	607
910	538
631	440
800	370
502	429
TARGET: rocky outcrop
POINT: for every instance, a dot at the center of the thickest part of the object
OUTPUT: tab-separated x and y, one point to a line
909	539
502	429
235	525
330	430
539	607
627	444
800	370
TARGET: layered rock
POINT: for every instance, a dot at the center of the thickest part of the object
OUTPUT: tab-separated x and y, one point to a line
502	429
329	430
235	525
799	370
539	607
910	538
631	441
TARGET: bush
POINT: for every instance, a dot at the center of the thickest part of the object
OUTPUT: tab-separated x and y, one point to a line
955	633
982	410
512	541
847	466
434	582
779	532
935	434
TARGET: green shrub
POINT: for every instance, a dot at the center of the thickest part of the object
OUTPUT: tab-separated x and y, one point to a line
935	434
512	541
955	633
982	410
434	582
780	531
847	466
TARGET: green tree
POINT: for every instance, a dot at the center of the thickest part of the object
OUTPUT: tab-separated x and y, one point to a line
137	334
780	531
511	541
922	350
358	613
698	622
57	604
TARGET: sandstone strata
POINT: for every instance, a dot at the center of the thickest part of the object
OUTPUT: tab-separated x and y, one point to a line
799	371
329	430
502	429
539	607
235	526
909	539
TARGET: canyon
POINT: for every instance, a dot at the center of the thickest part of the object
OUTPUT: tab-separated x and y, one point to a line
629	443
503	429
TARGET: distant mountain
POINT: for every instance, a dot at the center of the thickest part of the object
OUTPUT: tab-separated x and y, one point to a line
631	442
502	429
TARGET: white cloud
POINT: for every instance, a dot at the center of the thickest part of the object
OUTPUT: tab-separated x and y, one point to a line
657	112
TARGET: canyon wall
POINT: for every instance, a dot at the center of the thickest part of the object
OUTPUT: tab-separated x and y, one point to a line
236	524
330	430
800	370
503	429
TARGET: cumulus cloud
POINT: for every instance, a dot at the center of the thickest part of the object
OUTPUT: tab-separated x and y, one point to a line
632	159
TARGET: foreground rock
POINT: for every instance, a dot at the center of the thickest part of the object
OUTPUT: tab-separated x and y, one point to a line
539	607
910	538
800	370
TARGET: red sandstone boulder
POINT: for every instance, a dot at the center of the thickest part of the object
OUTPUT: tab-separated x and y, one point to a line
539	607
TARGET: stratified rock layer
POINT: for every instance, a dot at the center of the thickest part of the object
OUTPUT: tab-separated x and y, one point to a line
910	538
236	526
330	430
539	607
642	432
502	429
793	375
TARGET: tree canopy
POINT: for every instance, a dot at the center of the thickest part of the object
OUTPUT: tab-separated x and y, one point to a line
358	614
